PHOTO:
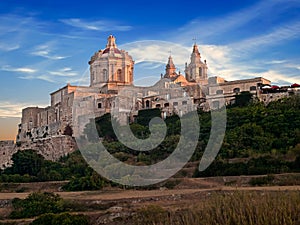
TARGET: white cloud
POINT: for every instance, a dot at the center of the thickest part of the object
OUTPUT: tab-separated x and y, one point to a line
46	52
293	66
19	69
39	77
64	72
218	57
98	25
13	109
278	77
8	48
276	62
158	51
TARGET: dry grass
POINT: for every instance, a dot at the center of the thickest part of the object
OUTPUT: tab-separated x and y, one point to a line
231	208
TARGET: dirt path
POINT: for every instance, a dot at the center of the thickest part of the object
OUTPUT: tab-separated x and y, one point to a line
132	194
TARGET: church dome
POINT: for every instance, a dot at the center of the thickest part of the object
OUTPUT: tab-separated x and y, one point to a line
111	65
111	50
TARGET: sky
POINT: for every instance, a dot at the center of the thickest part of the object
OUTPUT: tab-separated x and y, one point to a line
46	44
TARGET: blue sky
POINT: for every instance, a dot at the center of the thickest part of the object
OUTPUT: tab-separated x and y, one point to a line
44	45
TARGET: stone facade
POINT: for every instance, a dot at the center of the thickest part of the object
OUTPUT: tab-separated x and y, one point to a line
7	149
220	88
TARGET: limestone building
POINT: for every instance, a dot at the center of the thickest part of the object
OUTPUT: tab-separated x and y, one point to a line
111	90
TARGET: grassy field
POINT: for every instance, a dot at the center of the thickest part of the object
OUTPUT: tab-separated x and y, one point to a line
229	208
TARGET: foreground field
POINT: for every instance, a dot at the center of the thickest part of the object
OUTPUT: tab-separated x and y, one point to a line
206	201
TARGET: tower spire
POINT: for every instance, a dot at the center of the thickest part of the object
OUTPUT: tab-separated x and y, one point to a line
170	67
111	42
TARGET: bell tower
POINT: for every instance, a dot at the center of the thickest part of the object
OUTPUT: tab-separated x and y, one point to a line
170	68
196	71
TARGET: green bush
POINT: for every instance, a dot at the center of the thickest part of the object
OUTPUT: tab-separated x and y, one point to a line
61	219
92	182
37	204
260	181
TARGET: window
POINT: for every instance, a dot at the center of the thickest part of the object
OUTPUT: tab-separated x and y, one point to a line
105	77
147	104
157	106
166	105
93	76
99	105
236	90
253	88
175	103
119	75
200	71
219	92
184	103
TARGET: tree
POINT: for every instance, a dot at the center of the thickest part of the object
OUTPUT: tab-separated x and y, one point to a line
243	98
26	162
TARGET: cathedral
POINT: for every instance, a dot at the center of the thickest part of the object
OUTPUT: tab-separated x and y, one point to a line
111	90
51	130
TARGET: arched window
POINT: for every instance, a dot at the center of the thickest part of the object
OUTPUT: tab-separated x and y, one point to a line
93	75
236	90
147	104
253	88
99	105
105	77
119	75
129	77
200	71
157	106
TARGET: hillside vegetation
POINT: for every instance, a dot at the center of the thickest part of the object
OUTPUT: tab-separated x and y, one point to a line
259	140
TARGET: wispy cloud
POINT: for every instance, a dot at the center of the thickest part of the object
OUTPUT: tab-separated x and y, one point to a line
46	52
52	76
206	30
274	62
8	48
219	58
98	25
39	77
64	72
13	109
157	51
19	69
293	66
279	34
278	77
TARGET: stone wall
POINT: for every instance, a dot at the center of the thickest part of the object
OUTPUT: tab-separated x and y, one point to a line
51	148
7	149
